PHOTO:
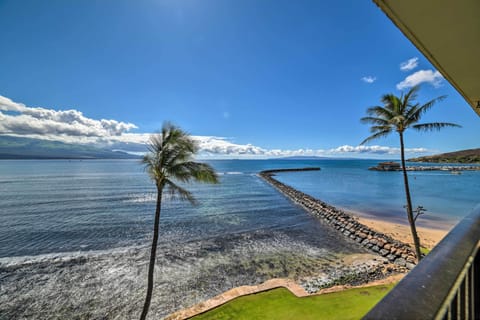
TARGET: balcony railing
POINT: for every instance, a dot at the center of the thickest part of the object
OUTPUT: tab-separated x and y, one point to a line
445	284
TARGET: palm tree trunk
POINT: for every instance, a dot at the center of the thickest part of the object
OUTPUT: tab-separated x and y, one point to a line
153	254
411	221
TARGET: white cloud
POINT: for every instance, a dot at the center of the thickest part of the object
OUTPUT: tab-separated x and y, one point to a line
20	119
221	146
369	79
410	64
71	126
214	146
429	76
375	150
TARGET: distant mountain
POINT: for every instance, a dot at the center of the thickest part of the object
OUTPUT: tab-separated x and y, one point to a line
462	156
27	148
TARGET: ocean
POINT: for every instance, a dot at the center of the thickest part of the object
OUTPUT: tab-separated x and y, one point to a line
74	235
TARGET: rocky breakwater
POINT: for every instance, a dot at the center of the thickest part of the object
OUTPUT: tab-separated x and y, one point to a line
395	251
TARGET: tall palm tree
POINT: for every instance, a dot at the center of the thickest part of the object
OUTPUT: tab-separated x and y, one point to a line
399	114
169	161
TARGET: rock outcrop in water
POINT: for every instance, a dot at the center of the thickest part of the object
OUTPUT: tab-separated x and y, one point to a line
394	250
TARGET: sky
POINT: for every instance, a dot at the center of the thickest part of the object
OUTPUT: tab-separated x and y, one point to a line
250	78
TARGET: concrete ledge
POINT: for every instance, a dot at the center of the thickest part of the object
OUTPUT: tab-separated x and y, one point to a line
229	295
289	284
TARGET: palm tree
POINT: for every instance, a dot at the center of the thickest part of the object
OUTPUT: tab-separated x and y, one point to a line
170	161
399	114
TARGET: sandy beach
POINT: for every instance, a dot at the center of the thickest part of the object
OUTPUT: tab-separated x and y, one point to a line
429	236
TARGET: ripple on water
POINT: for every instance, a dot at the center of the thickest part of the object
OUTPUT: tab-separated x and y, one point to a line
112	283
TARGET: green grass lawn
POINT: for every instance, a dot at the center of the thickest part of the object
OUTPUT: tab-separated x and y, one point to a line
281	304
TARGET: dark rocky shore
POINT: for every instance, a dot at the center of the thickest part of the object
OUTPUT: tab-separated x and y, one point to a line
395	251
427	168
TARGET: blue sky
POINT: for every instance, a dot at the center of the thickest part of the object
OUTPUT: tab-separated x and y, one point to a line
273	75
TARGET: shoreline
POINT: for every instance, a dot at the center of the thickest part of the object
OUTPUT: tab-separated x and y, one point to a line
430	232
429	236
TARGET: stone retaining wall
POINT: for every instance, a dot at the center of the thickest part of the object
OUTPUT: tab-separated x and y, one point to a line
394	250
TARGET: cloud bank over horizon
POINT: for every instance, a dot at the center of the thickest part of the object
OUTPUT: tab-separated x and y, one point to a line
71	126
17	118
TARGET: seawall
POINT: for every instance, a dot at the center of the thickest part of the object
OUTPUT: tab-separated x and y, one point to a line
379	243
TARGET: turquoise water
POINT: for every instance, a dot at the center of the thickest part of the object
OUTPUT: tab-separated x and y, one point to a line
62	206
348	184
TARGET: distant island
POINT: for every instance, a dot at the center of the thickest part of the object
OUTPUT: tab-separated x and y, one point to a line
462	156
28	148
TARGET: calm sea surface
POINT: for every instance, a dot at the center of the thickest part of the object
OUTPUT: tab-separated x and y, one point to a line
62	206
75	235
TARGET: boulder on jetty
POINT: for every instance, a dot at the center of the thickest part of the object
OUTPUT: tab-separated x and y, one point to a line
395	251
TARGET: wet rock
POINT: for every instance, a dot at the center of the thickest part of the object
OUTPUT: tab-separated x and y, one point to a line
384	252
391	257
409	265
400	262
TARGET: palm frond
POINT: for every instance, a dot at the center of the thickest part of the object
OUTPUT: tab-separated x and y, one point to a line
173	135
415	116
412	109
391	103
172	145
200	172
170	157
434	126
174	191
427	106
380	112
148	160
203	172
374	129
374	120
400	113
377	135
411	95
